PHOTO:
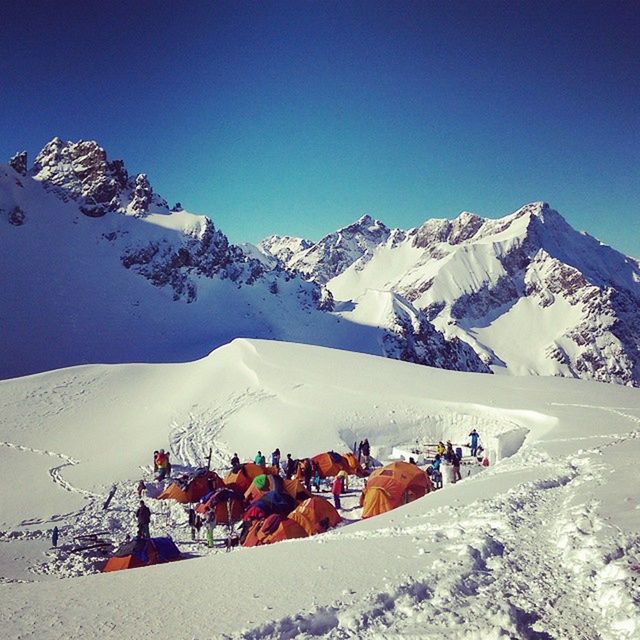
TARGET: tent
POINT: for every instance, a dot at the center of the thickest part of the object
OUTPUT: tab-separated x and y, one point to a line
396	484
265	483
227	506
142	552
269	503
192	488
275	528
355	469
329	463
315	515
241	479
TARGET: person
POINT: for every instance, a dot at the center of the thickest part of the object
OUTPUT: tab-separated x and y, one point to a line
360	452
440	449
140	488
290	467
336	490
450	452
308	473
235	463
162	464
260	460
436	474
455	461
168	465
275	459
112	493
54	537
210	524
198	525
143	514
344	478
475	436
192	522
155	461
366	452
316	477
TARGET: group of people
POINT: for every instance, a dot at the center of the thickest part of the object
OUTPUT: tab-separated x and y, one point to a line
446	455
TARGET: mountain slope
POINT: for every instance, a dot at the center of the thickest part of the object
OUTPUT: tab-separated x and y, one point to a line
96	268
529	293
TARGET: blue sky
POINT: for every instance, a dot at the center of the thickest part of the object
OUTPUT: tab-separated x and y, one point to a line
298	117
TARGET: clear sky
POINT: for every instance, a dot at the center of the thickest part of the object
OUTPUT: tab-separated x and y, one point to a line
298	117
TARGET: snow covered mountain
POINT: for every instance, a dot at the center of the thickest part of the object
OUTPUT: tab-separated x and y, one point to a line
97	268
333	254
529	293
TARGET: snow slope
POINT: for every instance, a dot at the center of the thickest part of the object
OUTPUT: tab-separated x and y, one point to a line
96	268
543	544
482	280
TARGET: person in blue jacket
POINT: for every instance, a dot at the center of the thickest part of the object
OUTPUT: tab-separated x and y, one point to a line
475	436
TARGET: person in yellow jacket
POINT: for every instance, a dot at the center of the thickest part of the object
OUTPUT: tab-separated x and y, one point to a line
344	478
440	449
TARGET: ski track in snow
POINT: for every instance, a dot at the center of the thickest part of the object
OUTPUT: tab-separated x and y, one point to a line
521	558
191	439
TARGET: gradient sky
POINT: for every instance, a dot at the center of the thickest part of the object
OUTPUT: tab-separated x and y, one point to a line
298	117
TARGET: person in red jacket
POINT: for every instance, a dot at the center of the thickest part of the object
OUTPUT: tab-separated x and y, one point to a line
336	490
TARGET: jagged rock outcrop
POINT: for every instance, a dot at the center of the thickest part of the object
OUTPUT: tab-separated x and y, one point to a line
19	163
81	171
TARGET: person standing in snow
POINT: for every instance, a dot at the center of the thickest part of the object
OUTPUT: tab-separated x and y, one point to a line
455	461
143	515
360	451
192	522
260	460
316	477
162	464
475	436
168	464
308	473
290	467
54	537
344	478
436	472
336	490
366	452
155	461
235	463
275	459
140	488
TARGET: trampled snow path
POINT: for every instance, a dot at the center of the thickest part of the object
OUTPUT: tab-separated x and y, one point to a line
522	558
54	472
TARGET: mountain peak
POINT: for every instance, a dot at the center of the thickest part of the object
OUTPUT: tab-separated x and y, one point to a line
81	171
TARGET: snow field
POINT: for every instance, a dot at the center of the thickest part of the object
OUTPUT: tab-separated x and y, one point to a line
542	544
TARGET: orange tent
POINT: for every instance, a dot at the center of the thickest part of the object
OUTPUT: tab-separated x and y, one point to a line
241	480
142	552
227	506
193	489
396	484
275	528
263	484
330	462
355	469
315	515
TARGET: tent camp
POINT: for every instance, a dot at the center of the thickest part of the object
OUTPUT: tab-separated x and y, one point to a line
142	552
275	528
396	484
241	479
227	506
330	462
265	483
192	487
315	515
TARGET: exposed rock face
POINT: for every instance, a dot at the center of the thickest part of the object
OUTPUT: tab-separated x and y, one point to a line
19	163
81	171
332	254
